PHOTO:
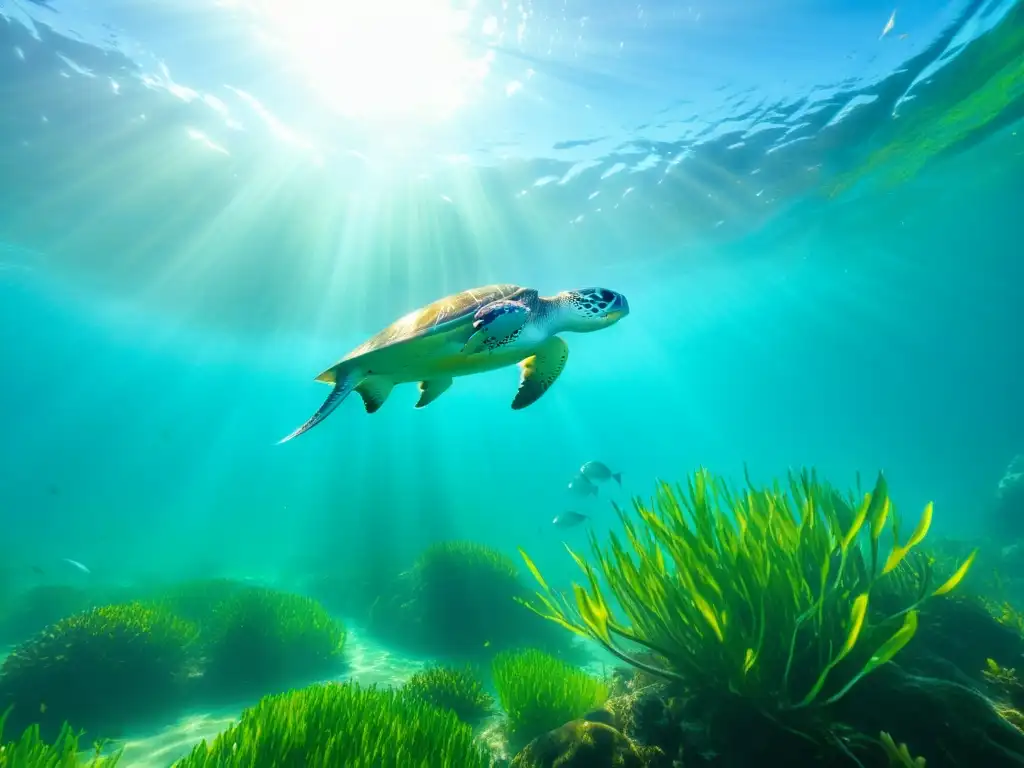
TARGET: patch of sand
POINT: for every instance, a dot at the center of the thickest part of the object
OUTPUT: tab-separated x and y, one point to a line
368	664
163	748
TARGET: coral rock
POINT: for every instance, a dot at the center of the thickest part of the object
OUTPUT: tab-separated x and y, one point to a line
583	744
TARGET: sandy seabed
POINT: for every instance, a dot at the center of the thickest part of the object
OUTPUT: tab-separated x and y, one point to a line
368	664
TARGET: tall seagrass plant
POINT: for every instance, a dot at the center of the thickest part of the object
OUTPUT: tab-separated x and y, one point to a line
765	593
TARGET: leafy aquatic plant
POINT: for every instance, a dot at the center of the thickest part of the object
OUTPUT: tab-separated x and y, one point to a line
258	637
470	557
762	594
1006	691
898	754
98	669
30	751
540	693
459	690
330	725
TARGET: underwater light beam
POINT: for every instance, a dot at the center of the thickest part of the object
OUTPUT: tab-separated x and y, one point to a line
383	62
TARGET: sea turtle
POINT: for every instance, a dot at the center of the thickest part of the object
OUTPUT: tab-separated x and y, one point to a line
470	332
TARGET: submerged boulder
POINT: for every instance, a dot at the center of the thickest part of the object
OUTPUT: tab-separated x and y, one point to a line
585	744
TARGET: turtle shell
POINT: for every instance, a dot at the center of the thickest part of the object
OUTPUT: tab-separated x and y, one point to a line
438	317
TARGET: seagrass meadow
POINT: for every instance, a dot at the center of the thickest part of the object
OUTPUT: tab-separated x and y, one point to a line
546	384
819	624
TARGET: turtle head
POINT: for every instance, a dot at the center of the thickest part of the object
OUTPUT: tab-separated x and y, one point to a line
590	309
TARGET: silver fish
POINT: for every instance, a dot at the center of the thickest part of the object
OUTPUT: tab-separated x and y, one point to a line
581	486
77	565
569	520
596	472
889	26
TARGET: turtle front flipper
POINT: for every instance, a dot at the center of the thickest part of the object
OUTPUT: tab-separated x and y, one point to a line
343	387
540	371
496	324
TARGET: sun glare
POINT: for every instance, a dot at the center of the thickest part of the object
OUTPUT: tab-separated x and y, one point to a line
379	59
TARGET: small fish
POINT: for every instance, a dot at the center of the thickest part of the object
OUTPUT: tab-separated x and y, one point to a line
569	520
596	472
889	26
77	564
580	486
37	570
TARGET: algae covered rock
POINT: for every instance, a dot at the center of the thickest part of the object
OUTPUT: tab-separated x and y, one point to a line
342	724
583	744
98	670
650	713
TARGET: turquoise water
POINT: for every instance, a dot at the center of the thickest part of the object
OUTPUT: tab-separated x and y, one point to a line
203	205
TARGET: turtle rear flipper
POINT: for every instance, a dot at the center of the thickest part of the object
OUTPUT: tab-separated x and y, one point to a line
431	389
342	388
374	391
